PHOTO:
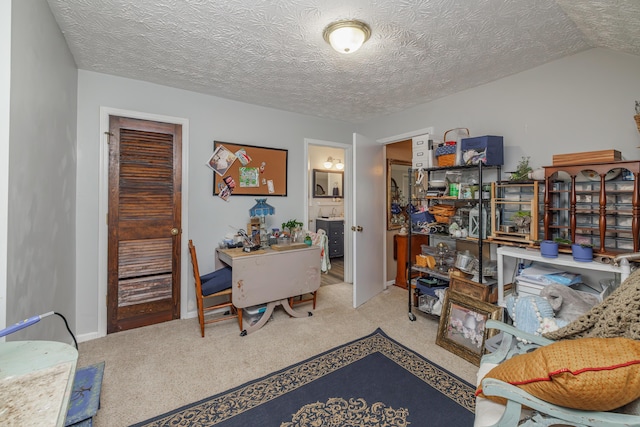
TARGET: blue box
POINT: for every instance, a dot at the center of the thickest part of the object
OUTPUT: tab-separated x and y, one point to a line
489	148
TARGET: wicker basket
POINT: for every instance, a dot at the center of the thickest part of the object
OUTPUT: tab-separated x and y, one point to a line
637	117
443	213
446	160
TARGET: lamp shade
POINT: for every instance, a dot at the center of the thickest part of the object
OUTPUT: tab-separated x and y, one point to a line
262	208
347	36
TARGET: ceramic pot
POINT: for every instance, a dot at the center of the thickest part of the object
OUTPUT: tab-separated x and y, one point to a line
582	253
549	249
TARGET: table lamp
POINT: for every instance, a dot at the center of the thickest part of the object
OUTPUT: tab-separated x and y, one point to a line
261	209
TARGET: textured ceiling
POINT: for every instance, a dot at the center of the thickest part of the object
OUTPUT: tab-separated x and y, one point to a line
271	52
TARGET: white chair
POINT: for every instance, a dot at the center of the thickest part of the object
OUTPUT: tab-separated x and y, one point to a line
523	409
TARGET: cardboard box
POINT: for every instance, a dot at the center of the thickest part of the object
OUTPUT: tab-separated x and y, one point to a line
489	148
587	157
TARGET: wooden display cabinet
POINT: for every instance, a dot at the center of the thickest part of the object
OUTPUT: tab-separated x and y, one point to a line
598	205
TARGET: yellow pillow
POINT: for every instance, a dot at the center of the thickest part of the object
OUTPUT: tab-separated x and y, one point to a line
598	374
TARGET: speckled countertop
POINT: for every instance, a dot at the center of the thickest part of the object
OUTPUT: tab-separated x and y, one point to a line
35	382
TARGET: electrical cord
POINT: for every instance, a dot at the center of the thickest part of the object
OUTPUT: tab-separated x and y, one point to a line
68	329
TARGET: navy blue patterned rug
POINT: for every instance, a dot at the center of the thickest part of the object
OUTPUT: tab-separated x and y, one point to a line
372	381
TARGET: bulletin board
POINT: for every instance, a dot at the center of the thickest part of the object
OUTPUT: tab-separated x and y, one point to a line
257	171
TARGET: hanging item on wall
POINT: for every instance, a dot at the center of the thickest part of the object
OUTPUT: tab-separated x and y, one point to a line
270	165
243	157
226	187
221	160
249	177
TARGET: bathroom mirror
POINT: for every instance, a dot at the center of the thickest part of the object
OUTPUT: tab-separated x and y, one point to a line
397	193
327	184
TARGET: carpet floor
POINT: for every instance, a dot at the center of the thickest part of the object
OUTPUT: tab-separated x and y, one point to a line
372	381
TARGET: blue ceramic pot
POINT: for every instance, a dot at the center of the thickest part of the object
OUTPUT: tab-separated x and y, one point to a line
582	253
549	249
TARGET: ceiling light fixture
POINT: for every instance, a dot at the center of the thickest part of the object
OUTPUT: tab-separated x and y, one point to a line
339	164
346	36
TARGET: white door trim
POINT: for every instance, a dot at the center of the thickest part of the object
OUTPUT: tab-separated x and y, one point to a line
105	112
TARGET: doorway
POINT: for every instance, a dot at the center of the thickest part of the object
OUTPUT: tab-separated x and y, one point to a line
325	211
144	222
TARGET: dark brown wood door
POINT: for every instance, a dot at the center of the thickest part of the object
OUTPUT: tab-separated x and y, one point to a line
144	223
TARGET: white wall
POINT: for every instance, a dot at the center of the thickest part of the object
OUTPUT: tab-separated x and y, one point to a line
584	102
5	104
210	118
42	174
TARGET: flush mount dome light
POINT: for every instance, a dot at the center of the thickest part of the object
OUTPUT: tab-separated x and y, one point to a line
346	36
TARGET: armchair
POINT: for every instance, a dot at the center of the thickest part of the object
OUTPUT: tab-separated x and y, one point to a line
524	409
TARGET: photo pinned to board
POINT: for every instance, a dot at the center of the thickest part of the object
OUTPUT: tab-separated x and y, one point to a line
226	187
243	157
221	160
249	177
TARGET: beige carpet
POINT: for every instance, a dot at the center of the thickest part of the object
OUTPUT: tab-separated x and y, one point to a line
158	368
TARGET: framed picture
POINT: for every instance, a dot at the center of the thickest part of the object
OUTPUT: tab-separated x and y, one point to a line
462	328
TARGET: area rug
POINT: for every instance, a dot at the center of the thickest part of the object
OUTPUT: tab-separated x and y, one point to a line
372	381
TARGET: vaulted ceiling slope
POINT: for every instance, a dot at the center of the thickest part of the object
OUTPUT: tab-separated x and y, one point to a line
271	52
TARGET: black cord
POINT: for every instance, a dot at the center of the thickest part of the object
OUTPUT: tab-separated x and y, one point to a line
68	329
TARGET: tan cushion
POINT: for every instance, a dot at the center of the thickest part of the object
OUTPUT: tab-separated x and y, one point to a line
597	374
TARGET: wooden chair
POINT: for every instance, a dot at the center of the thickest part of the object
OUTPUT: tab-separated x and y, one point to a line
216	284
301	299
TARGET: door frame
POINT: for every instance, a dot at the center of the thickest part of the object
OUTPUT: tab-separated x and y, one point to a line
386	141
348	197
103	228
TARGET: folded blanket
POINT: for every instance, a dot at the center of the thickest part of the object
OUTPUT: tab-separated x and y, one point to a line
568	304
617	316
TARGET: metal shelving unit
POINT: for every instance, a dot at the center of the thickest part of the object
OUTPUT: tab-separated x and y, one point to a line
427	199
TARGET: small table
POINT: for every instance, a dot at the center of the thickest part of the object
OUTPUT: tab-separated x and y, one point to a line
563	260
271	277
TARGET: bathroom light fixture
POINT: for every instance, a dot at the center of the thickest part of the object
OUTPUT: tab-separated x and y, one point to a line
346	36
329	163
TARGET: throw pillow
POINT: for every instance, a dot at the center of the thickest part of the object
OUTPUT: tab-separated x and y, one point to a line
532	314
598	374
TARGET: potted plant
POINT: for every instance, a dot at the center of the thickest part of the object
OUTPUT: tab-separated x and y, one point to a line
522	220
293	226
549	249
522	170
582	252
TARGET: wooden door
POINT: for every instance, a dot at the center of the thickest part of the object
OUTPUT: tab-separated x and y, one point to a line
144	223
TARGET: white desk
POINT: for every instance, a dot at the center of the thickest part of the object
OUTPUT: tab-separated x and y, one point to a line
562	260
271	277
36	378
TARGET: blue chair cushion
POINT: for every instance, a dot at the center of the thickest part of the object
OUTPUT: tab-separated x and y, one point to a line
216	281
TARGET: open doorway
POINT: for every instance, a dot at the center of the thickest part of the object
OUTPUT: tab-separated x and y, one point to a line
326	207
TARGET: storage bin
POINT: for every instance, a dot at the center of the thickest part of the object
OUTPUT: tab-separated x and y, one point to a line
420	154
489	148
420	142
252	315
